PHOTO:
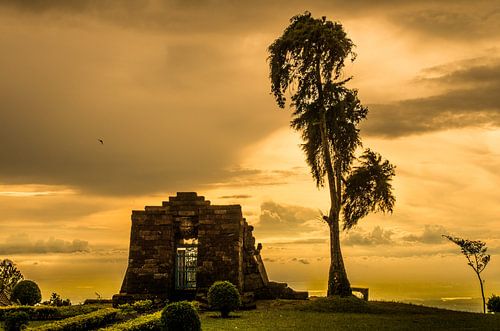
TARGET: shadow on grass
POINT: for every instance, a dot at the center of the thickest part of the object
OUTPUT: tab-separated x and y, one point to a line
355	305
224	318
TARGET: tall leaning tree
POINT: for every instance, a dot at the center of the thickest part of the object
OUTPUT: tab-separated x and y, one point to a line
307	63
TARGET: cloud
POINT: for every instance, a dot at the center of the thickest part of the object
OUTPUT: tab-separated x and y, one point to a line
238	196
310	241
246	177
285	220
153	11
470	99
432	234
167	87
457	21
26	191
22	244
494	250
377	236
166	16
303	261
43	209
163	104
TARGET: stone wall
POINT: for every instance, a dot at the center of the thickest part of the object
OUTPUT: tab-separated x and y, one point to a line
156	232
226	251
151	254
254	271
220	246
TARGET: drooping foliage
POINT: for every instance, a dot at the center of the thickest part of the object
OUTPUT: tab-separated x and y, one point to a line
308	47
308	59
342	132
368	189
307	62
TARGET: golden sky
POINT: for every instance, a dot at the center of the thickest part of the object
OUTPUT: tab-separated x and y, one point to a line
179	93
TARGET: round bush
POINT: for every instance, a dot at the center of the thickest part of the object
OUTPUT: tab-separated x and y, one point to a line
180	316
142	306
224	297
26	292
14	321
493	304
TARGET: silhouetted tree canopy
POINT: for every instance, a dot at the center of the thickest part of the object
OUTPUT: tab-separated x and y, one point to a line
477	258
9	275
368	188
307	62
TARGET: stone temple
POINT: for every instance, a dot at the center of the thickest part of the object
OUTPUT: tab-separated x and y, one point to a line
179	249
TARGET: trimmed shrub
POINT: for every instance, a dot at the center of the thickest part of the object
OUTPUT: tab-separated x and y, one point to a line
126	308
4	311
14	321
493	304
35	313
224	297
180	316
82	322
70	311
97	301
151	322
43	313
142	306
26	292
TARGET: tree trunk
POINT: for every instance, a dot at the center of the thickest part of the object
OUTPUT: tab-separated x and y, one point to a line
482	292
338	283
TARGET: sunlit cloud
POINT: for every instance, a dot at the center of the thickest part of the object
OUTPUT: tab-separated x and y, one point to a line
432	234
377	236
23	244
23	191
300	260
468	98
238	196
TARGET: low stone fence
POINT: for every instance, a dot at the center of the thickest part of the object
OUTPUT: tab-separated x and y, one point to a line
362	290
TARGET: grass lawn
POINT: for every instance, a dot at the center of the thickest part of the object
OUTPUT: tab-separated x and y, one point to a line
344	314
279	315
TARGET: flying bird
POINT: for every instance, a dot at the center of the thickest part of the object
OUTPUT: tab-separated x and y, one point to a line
101	141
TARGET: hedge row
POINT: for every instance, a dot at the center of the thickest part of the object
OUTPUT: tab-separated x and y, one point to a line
82	322
43	313
97	301
35	313
150	322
